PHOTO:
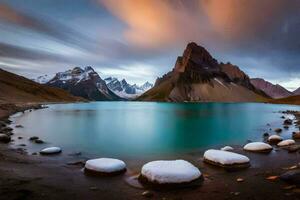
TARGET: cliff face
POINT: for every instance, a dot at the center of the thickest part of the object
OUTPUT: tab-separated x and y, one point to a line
197	76
274	91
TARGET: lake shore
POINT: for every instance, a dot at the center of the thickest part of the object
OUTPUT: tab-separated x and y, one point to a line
26	176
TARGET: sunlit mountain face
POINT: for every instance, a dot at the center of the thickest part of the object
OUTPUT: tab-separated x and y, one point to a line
139	39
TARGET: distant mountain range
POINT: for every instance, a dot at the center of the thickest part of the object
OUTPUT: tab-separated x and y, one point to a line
86	83
125	90
274	91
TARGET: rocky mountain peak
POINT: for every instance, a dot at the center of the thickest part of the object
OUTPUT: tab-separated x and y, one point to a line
195	56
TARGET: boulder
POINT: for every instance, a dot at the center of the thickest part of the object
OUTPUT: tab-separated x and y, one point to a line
296	135
226	159
274	139
292	148
227	148
288	122
286	143
51	151
169	172
104	166
292	177
4	138
259	147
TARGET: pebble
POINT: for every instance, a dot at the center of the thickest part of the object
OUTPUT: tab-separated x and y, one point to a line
38	141
278	130
33	138
147	194
240	180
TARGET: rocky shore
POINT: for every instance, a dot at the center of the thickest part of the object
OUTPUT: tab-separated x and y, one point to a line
270	176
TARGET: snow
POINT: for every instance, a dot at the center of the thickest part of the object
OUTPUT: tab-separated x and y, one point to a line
286	142
220	82
51	150
105	165
257	146
227	148
170	171
225	157
43	79
275	138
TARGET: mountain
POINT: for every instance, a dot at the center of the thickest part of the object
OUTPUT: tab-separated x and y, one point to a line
274	91
124	89
17	89
85	83
43	79
197	76
297	91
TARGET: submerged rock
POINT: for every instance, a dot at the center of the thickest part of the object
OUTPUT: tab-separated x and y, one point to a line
274	139
19	126
39	141
226	159
286	143
266	134
259	147
105	166
292	177
288	122
4	138
169	172
51	150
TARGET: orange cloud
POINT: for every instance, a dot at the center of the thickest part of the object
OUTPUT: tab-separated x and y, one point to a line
160	23
153	23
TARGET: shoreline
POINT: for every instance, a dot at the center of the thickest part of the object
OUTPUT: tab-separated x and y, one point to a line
35	177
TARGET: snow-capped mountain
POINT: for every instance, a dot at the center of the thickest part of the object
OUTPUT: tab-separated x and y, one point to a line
84	82
124	89
43	79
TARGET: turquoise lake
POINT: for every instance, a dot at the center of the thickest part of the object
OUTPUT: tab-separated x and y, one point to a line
134	129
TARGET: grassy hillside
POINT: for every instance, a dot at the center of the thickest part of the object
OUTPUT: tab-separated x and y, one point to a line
18	89
287	100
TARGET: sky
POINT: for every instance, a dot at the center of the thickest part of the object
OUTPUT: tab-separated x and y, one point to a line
139	40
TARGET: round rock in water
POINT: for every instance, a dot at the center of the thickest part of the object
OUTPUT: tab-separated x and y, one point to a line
50	151
286	143
226	159
169	172
4	138
274	139
260	147
227	148
105	166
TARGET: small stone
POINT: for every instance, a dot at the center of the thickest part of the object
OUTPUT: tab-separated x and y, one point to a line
4	138
34	153
227	148
286	143
293	148
278	130
286	127
266	134
20	137
147	194
296	135
289	187
272	178
94	188
38	141
19	126
282	117
292	177
240	180
22	145
51	150
33	138
6	129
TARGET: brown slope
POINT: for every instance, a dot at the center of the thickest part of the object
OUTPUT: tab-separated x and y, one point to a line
197	76
18	89
287	100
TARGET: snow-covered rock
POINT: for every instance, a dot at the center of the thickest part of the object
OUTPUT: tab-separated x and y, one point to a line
170	172
258	147
286	143
51	150
105	165
225	158
274	139
227	148
43	79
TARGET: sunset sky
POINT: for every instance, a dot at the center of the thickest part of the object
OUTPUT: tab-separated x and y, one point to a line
140	39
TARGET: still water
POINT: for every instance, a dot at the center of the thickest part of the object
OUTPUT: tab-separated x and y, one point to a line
134	129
